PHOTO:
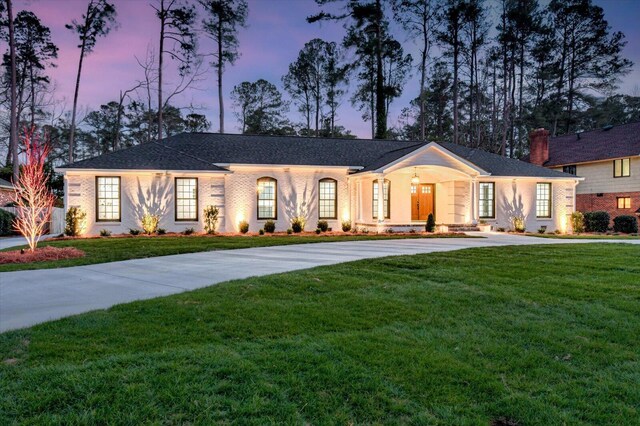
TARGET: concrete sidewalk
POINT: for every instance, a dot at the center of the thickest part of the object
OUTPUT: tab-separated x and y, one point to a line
31	297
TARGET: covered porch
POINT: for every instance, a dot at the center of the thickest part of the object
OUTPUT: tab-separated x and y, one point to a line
429	181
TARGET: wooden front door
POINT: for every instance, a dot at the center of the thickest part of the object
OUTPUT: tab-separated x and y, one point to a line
422	201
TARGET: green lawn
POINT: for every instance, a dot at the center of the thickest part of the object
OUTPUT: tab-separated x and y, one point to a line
101	250
542	335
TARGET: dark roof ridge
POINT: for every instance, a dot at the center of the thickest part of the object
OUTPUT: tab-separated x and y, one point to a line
415	141
188	155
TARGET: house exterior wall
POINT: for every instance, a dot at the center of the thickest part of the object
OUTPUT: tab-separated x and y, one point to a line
143	192
608	202
599	177
297	195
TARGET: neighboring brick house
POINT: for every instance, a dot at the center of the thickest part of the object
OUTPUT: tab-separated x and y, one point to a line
6	192
608	159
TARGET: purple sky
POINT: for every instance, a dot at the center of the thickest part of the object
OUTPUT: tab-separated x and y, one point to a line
276	31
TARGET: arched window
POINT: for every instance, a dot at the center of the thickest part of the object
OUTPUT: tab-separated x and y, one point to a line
267	198
386	198
328	199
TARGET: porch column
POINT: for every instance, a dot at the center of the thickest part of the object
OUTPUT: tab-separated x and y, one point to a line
381	199
474	200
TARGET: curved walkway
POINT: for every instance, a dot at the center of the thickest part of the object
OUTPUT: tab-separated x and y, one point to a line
31	297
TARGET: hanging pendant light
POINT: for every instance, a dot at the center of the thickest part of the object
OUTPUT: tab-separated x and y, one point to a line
415	179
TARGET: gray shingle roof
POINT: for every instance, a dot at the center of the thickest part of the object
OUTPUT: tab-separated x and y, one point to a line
5	184
601	144
202	151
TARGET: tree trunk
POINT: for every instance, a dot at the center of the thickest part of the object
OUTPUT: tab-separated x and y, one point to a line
220	63
381	115
423	76
160	57
455	88
13	131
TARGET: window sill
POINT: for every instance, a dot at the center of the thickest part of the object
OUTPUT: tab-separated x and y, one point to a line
108	222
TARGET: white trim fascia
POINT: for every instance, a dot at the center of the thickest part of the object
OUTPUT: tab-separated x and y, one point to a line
141	171
442	149
539	178
287	166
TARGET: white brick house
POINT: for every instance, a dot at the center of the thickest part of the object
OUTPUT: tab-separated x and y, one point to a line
260	178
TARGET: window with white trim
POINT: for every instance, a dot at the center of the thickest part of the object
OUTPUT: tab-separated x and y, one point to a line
622	167
624	202
108	199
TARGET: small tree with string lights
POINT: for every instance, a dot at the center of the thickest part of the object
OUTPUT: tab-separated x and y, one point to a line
33	199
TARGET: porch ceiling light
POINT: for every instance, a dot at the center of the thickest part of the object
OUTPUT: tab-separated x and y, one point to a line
415	179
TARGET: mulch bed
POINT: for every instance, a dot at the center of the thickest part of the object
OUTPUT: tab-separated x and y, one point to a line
40	255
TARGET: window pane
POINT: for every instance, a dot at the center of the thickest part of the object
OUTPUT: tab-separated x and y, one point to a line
266	198
327	199
386	206
486	200
186	199
108	198
626	163
617	167
543	200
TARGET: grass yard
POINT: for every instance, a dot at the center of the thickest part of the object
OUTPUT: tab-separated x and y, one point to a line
542	335
586	236
111	249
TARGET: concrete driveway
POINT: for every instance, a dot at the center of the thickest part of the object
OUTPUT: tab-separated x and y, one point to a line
31	297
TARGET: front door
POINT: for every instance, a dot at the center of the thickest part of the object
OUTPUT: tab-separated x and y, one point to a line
422	196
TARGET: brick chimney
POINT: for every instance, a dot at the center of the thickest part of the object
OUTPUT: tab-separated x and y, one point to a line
539	146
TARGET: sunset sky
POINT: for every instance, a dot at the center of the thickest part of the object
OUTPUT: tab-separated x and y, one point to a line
276	31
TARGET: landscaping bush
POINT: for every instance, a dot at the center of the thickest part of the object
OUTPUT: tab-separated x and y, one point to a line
597	221
323	225
542	229
105	233
161	231
244	226
518	224
297	224
150	223
188	231
261	232
626	224
76	221
577	222
318	230
289	231
430	226
134	231
211	219
6	222
346	226
270	226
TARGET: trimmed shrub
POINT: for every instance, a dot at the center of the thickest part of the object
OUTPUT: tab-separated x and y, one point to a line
626	224
542	229
161	231
133	231
323	225
211	219
346	226
261	231
318	230
518	224
430	226
244	226
76	221
188	231
297	224
577	222
289	231
6	222
150	223
597	221
105	233
270	226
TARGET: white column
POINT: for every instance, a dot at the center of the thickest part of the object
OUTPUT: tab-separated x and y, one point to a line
380	200
474	201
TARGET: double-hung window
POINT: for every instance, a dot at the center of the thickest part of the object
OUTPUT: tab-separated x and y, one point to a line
328	198
267	198
376	195
186	199
108	199
622	167
623	202
543	200
487	200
